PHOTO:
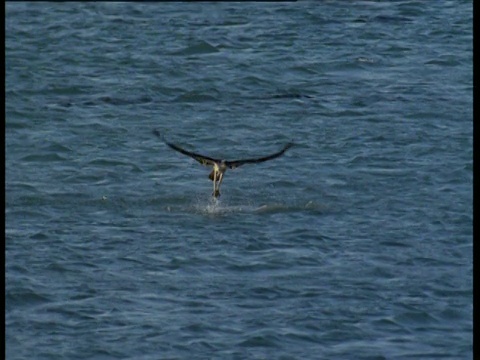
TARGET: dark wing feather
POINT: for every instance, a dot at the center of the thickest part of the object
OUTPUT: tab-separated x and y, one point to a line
236	163
204	160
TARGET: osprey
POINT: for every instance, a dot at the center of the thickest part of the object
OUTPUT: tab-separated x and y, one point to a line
220	165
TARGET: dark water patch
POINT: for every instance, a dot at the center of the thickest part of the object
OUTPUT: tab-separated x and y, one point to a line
58	148
41	158
39	236
449	60
22	187
200	48
25	297
260	339
197	97
394	244
389	19
291	96
99	162
415	319
120	101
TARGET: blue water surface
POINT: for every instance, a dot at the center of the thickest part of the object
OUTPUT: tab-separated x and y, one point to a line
355	244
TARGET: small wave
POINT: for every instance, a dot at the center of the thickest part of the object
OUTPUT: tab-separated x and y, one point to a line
279	207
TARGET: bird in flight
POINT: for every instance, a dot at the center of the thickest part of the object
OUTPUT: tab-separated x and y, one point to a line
220	165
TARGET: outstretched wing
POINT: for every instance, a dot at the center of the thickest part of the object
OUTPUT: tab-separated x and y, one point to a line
204	160
236	163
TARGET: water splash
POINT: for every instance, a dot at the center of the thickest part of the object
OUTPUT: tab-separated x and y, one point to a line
214	206
217	207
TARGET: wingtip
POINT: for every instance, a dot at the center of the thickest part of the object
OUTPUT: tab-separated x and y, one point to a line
158	134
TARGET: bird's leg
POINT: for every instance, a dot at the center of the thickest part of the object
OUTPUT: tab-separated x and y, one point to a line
219	183
214	182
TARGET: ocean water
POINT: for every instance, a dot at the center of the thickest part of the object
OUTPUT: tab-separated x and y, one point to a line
356	244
